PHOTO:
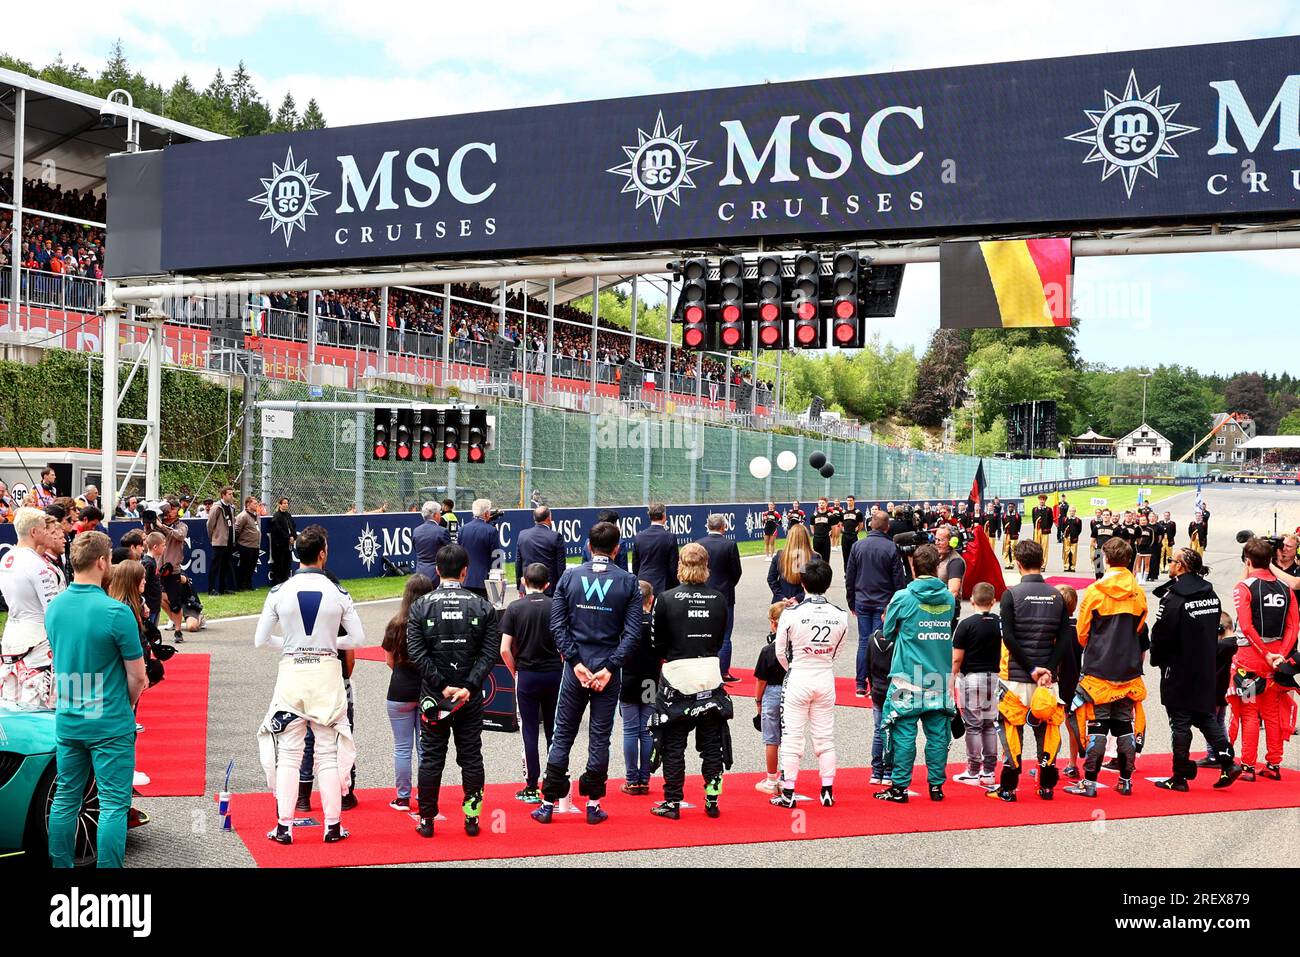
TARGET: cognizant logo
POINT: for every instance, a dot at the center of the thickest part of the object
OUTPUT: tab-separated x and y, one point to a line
595	587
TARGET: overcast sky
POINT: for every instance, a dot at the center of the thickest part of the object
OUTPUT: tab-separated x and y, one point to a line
367	62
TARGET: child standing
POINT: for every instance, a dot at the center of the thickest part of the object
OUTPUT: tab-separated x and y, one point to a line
976	653
770	678
636	702
1068	678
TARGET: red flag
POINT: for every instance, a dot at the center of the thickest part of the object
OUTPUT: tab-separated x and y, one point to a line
976	495
982	565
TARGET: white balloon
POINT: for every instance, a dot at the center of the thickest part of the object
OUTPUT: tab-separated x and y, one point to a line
786	461
759	467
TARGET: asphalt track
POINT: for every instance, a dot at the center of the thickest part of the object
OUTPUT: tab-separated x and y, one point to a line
184	831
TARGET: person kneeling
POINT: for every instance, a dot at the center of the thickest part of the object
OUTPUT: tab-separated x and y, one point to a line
687	628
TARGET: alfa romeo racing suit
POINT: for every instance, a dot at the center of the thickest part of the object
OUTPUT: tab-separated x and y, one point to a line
309	611
28	582
453	640
808	637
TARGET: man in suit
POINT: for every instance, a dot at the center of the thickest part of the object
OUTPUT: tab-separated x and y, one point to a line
427	539
480	540
624	548
724	574
221	532
654	552
541	543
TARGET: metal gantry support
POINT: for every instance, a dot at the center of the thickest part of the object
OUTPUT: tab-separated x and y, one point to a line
16	242
150	449
550	334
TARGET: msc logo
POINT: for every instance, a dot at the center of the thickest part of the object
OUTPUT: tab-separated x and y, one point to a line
658	167
368	546
595	588
288	196
1130	133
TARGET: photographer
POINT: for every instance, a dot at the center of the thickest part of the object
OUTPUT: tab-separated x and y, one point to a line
952	567
173	557
481	542
1267	618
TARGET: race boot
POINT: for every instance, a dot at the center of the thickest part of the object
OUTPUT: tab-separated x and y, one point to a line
1248	772
936	792
784	799
712	791
350	801
1001	794
281	834
892	793
472	806
827	797
304	796
335	833
1228	775
1174	783
543	812
1271	771
1084	788
595	815
529	796
425	827
671	810
1046	793
1124	787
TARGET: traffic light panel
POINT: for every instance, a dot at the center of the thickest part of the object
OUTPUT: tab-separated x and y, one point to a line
808	326
428	434
695	299
402	434
846	323
476	445
451	435
382	443
732	328
771	320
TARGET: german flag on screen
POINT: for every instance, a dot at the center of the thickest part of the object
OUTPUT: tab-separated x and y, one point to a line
1013	283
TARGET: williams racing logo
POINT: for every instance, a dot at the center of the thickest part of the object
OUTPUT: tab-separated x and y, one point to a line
368	547
659	167
1130	133
288	197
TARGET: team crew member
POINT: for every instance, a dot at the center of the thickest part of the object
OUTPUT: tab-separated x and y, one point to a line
821	530
687	628
28	582
596	623
315	618
1267	619
1112	629
919	623
1011	534
851	519
1171	532
1071	531
1102	531
1035	637
873	574
1043	520
1184	646
771	520
808	637
453	641
1197	530
794	515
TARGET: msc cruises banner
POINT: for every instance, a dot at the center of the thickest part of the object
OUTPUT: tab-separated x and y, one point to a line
1181	133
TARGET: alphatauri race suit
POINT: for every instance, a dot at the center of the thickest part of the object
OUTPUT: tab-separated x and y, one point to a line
28	581
308	611
808	637
453	641
686	632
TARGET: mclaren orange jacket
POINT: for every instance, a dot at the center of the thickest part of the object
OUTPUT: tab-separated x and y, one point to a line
1112	625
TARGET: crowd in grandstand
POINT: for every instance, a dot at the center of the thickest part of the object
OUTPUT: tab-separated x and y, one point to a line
54	245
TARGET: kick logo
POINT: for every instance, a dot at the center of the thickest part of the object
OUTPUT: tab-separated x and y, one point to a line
288	197
1131	133
659	167
368	547
595	587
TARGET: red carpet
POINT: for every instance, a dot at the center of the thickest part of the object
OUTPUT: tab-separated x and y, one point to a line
371	653
384	836
173	749
1078	583
844	696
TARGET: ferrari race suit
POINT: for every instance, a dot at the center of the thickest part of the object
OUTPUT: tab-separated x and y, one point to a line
28	582
808	637
308	611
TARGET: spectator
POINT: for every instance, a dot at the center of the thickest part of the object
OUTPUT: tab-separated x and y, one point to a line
45	490
248	539
873	574
283	534
93	635
724	575
221	532
404	692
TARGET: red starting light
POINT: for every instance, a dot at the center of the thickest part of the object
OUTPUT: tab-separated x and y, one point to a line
475	453
769	335
730	336
730	313
806	309
844	309
694	313
381	451
769	312
805	334
426	452
693	337
403	452
450	453
844	332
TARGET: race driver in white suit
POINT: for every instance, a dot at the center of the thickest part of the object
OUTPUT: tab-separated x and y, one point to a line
315	619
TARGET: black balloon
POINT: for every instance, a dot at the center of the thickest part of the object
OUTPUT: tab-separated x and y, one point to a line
817	459
828	470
